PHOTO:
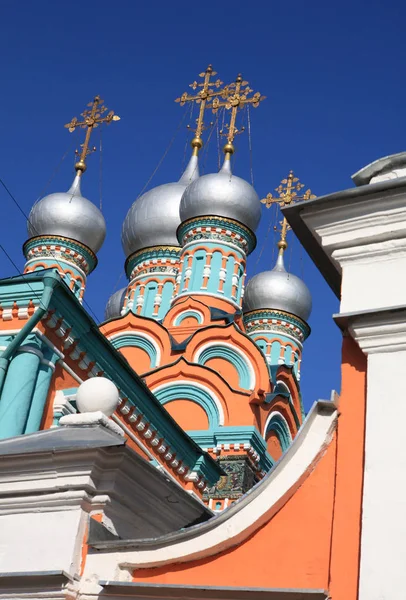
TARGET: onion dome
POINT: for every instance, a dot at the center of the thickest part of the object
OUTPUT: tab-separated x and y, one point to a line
280	290
115	304
154	217
223	195
70	215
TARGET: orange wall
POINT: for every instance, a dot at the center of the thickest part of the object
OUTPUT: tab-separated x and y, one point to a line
188	414
273	445
349	480
291	551
314	540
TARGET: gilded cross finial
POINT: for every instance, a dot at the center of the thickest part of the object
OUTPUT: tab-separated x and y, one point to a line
92	118
203	98
290	191
236	96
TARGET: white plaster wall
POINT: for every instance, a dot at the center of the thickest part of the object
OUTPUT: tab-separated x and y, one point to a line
383	553
374	284
42	541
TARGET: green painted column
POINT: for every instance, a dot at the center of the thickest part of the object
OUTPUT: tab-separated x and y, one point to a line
18	390
39	398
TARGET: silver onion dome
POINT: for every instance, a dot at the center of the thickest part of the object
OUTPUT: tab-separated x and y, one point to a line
70	215
224	195
278	289
115	304
154	217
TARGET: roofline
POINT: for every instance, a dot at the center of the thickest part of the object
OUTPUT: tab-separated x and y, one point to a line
293	213
156	590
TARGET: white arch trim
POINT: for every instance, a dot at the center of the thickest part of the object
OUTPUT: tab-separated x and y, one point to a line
196	385
140	334
235	349
235	524
192	312
275	413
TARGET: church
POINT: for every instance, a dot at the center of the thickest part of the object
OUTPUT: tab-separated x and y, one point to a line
165	452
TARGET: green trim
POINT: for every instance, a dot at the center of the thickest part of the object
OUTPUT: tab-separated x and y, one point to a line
235	435
131	340
177	391
114	366
281	429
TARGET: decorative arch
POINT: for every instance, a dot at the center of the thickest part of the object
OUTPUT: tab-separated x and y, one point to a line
233	355
139	340
276	422
188	313
195	392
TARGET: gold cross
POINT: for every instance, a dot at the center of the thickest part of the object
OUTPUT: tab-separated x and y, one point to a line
203	98
236	99
288	194
92	118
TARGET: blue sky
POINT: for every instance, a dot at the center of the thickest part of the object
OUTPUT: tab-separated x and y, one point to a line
332	74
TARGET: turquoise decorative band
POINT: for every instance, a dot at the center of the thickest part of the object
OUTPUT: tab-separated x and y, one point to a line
217	228
276	320
157	258
59	248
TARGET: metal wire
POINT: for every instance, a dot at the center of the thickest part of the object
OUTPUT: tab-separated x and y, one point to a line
250	144
101	168
34	229
54	172
163	156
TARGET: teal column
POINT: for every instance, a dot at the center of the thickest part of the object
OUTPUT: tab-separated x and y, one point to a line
18	390
39	398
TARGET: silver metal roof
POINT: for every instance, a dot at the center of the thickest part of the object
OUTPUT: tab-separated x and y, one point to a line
70	215
154	217
224	195
278	289
115	304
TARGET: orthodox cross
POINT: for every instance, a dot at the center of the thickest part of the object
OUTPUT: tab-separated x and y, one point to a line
92	118
203	98
236	98
290	191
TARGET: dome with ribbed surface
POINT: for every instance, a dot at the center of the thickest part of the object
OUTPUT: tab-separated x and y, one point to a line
70	215
223	195
154	217
115	304
278	290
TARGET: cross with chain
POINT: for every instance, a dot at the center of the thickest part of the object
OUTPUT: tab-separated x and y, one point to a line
203	98
235	99
92	118
289	191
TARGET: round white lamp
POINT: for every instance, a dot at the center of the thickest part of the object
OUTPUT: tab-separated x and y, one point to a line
97	393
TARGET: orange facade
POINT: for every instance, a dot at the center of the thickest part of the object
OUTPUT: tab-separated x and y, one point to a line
313	541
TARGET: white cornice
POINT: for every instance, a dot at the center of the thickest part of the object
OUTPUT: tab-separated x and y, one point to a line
377	332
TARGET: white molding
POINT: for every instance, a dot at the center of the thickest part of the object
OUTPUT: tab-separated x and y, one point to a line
240	521
377	333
